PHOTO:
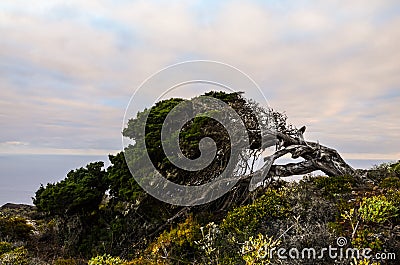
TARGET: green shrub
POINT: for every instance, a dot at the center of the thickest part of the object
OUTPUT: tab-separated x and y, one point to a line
244	220
366	238
106	259
331	186
256	250
178	242
207	243
351	216
390	182
18	256
394	197
335	228
395	168
15	228
377	209
382	171
5	247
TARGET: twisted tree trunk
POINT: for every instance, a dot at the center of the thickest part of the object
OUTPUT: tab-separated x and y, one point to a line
316	157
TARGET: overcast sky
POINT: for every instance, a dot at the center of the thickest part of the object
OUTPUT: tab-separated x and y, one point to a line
69	68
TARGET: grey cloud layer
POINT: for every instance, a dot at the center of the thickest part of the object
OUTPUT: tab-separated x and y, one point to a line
67	70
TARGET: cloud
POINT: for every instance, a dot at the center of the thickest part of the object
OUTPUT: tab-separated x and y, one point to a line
67	70
14	143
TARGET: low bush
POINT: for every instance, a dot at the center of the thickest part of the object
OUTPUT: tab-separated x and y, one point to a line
377	209
17	256
256	250
5	247
14	228
178	242
332	186
244	220
390	183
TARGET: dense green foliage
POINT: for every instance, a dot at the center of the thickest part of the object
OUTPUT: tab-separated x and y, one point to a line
333	186
14	228
80	192
377	209
189	137
245	220
122	185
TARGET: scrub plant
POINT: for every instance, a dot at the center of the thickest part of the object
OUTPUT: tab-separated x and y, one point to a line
377	209
256	250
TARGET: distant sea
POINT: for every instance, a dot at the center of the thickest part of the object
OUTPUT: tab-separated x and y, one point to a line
21	175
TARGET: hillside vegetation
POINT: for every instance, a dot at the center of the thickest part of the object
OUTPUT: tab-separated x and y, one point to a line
100	215
311	213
